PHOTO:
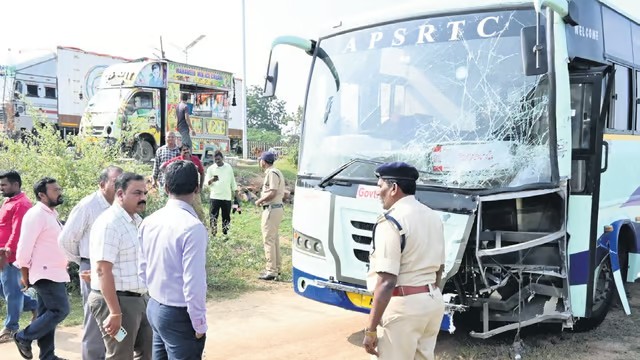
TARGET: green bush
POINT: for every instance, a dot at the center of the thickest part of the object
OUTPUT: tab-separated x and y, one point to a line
76	168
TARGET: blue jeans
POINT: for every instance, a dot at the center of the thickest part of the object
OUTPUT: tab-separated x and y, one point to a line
16	300
53	307
173	334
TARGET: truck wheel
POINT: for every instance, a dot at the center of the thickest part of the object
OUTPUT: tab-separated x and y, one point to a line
143	151
604	292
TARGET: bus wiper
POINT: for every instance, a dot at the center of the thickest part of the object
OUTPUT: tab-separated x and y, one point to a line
325	180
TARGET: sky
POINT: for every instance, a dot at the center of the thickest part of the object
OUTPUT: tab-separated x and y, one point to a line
132	29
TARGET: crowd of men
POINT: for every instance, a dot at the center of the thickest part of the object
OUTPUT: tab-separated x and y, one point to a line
143	281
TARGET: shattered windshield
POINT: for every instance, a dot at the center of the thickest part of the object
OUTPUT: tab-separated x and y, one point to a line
447	95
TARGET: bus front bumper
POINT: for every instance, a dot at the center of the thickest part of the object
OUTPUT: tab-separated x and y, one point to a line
351	297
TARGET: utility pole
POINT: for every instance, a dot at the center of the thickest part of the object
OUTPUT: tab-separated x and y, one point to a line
245	150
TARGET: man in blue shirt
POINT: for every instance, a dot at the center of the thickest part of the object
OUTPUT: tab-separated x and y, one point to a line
173	244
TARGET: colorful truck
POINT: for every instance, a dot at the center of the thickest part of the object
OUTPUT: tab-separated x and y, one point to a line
140	99
57	85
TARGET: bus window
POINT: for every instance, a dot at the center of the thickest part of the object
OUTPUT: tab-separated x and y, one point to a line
620	118
32	90
581	101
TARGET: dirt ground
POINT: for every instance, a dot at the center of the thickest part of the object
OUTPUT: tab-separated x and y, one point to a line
277	324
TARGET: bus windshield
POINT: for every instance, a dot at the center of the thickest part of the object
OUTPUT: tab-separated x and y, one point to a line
447	95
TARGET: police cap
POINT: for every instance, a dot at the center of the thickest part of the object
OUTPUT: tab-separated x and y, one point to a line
268	156
397	170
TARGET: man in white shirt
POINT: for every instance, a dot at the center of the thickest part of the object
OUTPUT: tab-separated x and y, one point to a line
117	298
74	240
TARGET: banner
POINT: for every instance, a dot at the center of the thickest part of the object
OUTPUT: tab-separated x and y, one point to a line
199	76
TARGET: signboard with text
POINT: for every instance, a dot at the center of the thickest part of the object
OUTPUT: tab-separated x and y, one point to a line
188	74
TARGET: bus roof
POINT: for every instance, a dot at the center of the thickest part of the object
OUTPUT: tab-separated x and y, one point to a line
421	8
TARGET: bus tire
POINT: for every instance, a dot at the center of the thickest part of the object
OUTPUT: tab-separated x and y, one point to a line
605	292
143	151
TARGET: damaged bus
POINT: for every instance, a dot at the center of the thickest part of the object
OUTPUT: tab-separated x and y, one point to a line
522	118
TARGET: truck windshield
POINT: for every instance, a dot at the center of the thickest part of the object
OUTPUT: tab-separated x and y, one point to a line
446	94
108	100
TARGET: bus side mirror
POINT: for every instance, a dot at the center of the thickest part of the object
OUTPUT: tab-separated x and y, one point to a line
271	80
534	50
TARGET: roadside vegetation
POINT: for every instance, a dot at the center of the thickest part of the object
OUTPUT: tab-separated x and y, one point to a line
234	261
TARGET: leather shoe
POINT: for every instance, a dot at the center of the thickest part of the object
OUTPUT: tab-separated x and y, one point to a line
23	349
267	277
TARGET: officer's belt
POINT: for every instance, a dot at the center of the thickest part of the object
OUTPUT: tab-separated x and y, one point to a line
272	206
410	290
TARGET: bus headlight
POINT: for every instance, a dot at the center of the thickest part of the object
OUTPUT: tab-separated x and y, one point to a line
308	244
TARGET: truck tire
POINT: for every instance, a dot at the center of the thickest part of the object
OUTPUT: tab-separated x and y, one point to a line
604	293
143	151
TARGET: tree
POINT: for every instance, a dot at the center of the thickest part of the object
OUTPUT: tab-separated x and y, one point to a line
263	135
264	113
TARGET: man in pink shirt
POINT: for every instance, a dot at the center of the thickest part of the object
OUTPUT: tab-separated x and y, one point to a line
11	214
44	266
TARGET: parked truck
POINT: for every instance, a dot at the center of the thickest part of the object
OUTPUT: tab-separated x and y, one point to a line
136	103
58	85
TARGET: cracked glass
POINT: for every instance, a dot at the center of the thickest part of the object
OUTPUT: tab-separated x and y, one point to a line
445	94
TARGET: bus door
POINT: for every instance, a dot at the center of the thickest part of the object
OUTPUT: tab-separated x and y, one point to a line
590	95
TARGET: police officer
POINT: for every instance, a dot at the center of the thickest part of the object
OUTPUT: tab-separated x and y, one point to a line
406	262
273	211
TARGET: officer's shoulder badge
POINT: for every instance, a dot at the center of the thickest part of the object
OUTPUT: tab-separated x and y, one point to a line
383	217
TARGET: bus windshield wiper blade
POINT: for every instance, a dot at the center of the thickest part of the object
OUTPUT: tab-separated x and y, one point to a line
325	180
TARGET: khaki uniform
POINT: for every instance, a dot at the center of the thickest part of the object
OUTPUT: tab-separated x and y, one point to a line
410	324
271	217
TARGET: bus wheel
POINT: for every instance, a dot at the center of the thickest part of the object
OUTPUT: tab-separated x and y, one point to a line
604	292
143	151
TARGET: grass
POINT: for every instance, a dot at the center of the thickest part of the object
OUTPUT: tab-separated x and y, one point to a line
235	261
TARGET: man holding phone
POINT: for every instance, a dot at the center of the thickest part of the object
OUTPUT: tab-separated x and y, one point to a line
117	298
222	188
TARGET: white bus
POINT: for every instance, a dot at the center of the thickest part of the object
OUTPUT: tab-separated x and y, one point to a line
522	117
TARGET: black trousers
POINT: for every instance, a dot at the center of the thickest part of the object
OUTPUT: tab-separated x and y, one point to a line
216	207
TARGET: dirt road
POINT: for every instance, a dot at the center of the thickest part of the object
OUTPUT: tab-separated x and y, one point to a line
277	324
